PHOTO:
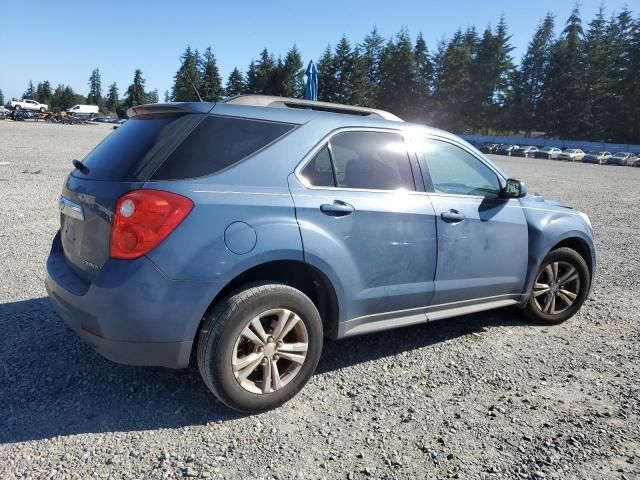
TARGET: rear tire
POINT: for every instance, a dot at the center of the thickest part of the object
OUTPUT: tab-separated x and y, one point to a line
259	346
560	288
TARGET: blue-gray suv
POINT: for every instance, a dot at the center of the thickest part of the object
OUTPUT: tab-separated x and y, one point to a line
241	233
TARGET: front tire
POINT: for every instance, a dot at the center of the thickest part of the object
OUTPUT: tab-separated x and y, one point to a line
259	346
560	288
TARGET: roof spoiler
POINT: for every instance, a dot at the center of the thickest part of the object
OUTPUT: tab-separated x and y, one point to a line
169	108
286	102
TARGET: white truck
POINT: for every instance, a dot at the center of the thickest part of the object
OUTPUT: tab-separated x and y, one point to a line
27	104
83	110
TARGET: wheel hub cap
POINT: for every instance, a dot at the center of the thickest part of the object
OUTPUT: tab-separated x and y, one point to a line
270	351
556	288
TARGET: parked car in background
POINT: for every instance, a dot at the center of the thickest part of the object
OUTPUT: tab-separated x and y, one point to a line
507	149
548	153
571	155
490	147
27	104
525	152
623	158
246	231
596	157
106	119
83	110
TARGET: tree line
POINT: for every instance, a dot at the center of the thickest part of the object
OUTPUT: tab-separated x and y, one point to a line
582	82
63	96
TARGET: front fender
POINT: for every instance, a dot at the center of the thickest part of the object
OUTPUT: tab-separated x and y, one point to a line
548	228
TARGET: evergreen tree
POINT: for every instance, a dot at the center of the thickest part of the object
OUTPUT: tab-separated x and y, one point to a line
398	76
56	98
167	96
359	79
30	92
68	98
625	81
564	88
43	92
1	97
631	94
112	97
598	77
454	87
327	85
530	106
235	83
95	88
211	82
294	79
259	75
424	74
135	93
343	65
276	80
152	96
372	50
503	67
183	89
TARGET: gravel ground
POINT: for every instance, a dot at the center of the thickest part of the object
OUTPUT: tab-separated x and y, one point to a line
481	396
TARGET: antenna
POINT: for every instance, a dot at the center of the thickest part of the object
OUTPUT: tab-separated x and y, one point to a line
193	85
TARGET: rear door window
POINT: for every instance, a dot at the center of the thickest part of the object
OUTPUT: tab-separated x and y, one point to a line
217	143
371	161
319	172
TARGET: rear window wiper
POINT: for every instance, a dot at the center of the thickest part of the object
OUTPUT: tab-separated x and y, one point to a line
81	166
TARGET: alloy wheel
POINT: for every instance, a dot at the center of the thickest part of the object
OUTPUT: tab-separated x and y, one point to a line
556	288
270	351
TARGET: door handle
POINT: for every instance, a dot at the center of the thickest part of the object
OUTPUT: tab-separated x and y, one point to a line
337	209
452	216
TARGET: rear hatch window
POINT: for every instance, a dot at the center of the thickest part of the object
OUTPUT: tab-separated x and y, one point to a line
137	147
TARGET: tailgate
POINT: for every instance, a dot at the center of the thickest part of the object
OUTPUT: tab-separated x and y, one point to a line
86	211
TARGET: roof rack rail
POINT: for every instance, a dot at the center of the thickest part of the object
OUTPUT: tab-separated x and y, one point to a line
286	102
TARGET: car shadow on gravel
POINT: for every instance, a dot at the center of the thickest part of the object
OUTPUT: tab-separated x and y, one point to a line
52	384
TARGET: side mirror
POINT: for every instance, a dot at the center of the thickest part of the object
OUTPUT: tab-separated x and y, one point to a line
514	189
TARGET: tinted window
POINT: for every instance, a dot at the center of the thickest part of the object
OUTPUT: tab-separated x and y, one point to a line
318	172
121	153
217	143
371	160
455	171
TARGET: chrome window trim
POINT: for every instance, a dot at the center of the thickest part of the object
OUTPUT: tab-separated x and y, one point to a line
409	139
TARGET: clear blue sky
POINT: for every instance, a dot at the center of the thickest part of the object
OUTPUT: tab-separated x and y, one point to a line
63	41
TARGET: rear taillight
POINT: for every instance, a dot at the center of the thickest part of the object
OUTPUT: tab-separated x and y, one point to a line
143	218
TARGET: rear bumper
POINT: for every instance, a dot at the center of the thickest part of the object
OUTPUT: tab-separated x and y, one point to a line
131	313
162	354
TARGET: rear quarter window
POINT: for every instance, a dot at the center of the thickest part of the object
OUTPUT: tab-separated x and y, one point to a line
217	143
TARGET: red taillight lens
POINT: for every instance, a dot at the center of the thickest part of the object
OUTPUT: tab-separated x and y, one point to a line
143	218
